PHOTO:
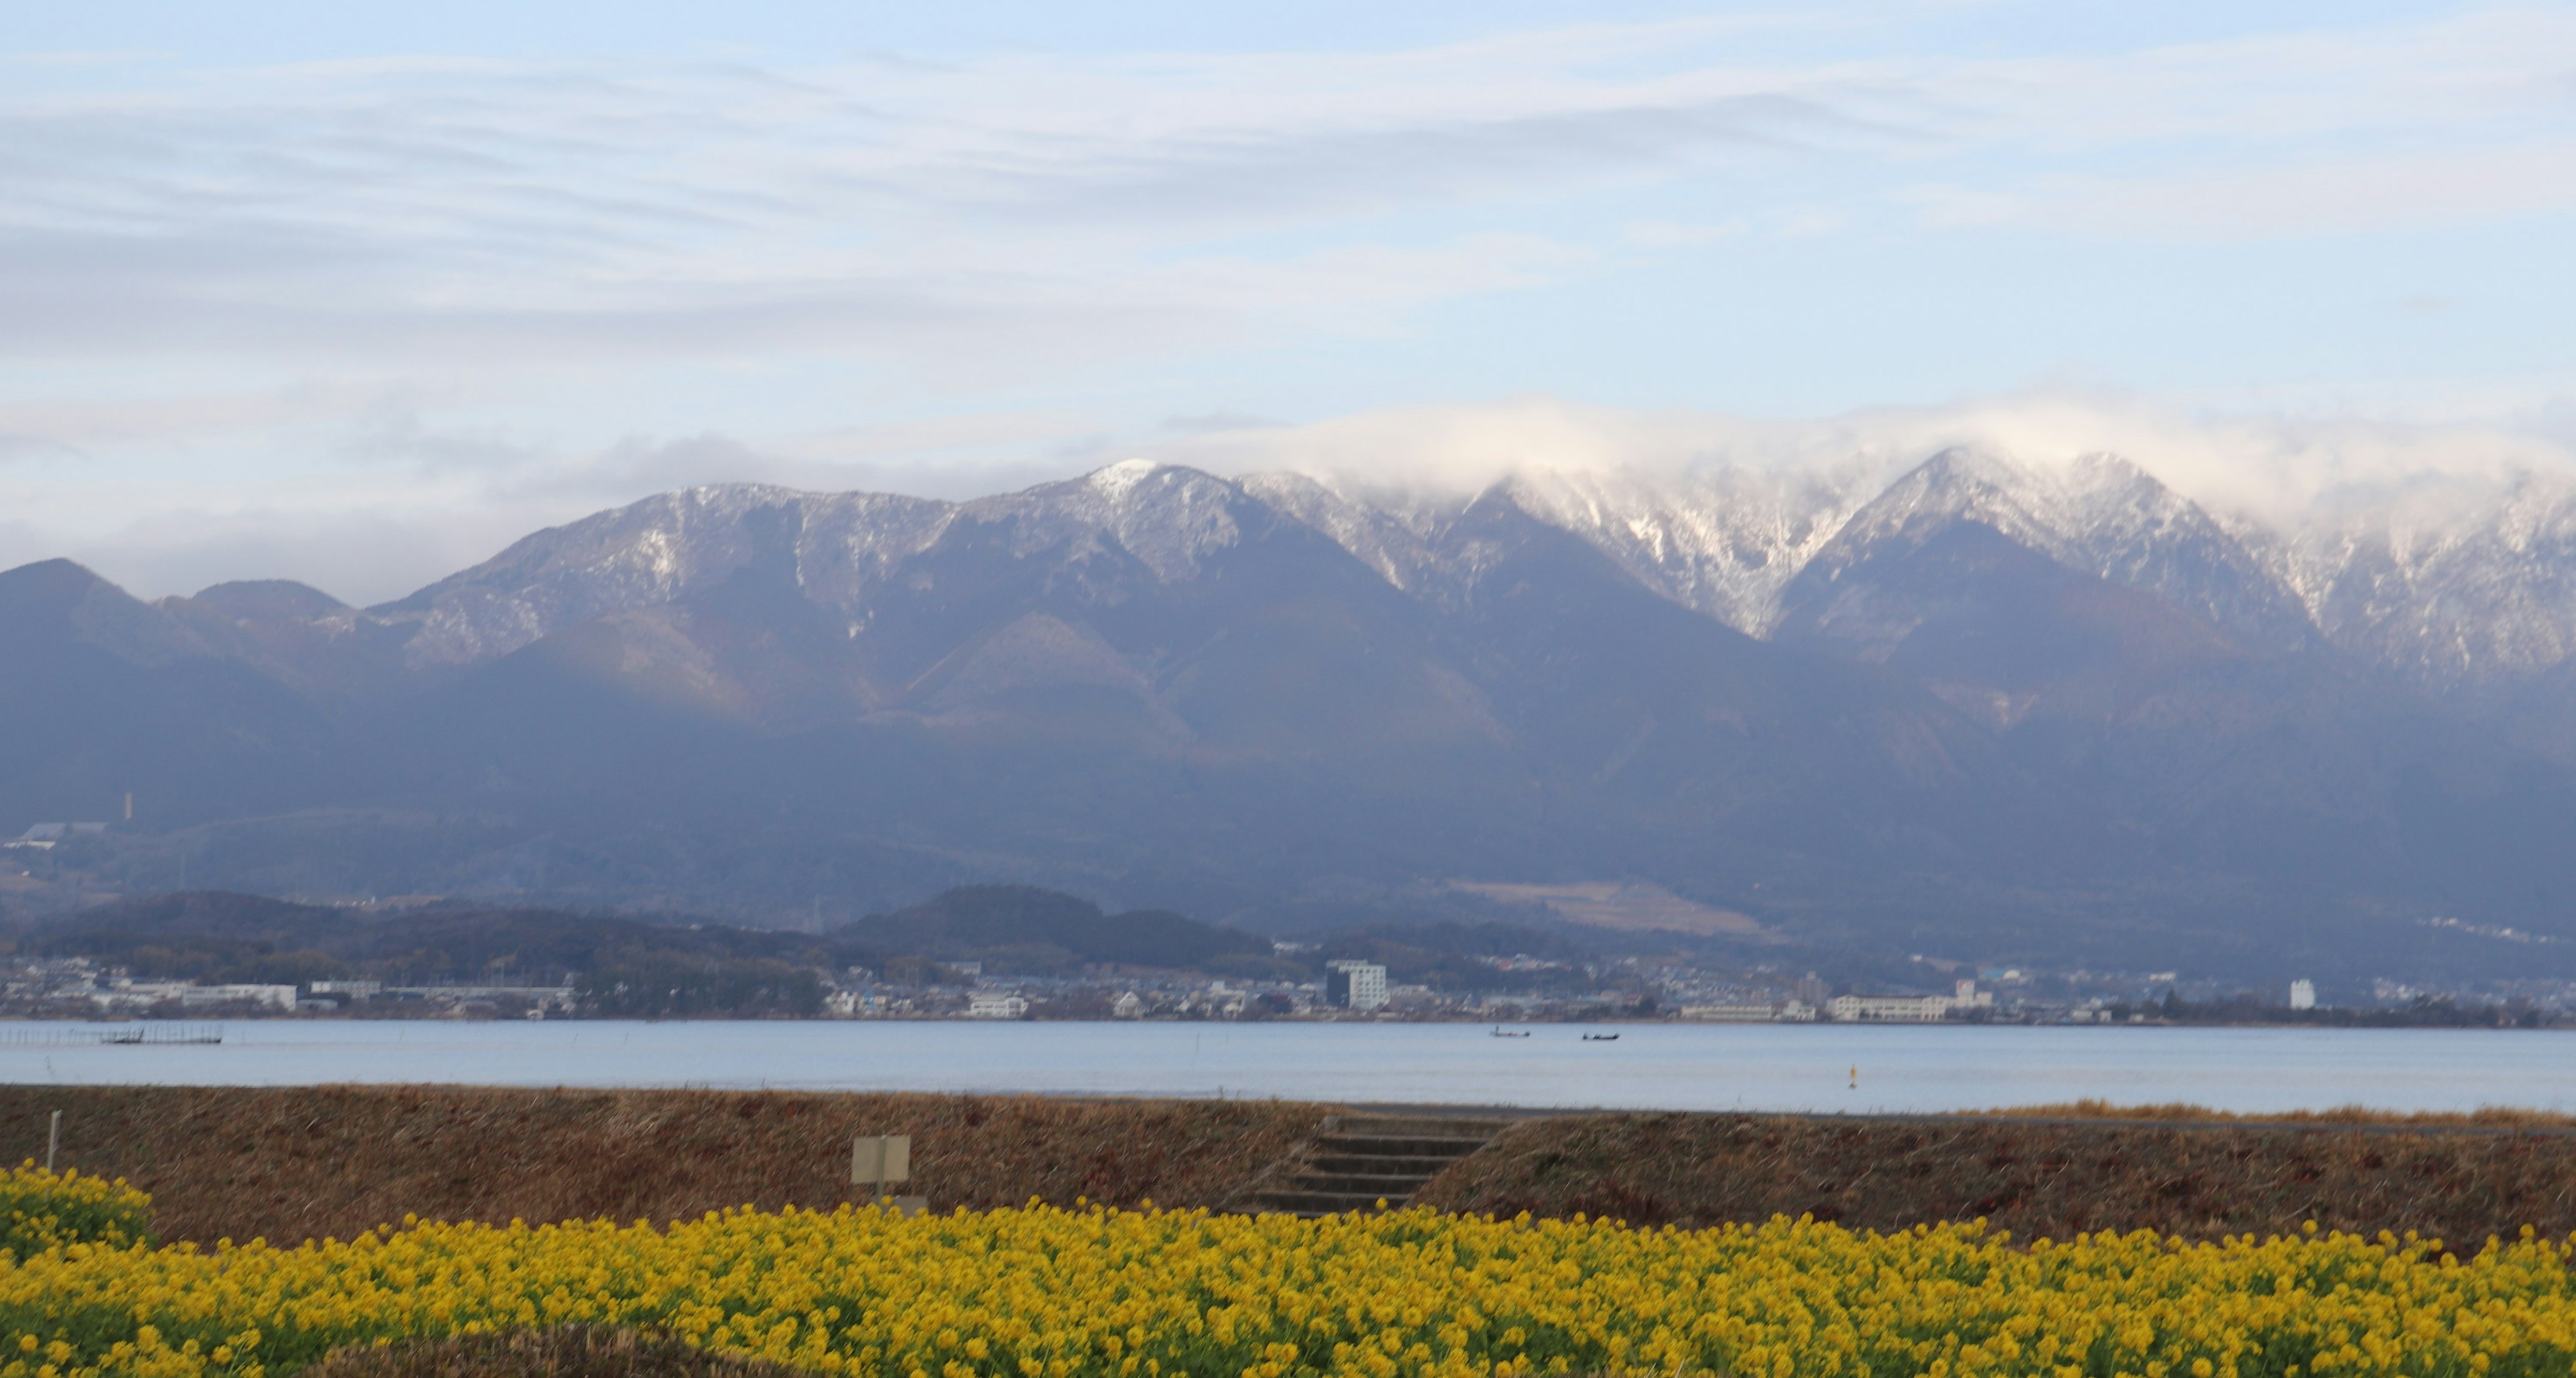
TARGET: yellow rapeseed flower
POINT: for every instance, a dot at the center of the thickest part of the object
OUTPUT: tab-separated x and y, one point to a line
1040	1292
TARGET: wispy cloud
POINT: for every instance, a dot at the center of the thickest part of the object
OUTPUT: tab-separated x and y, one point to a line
452	208
244	308
2274	465
430	501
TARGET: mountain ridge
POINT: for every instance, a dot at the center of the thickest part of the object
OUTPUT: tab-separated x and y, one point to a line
2029	702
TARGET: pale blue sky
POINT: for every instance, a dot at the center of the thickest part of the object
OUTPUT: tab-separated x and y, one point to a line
355	293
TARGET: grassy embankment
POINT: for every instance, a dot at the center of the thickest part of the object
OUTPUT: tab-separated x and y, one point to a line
2052	1170
294	1163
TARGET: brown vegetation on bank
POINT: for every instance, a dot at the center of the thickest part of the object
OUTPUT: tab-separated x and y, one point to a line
2179	1112
292	1163
2035	1179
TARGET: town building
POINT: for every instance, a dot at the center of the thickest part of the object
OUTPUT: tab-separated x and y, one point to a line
1908	1009
280	997
1888	1009
45	836
1764	1013
1356	986
2303	995
996	1004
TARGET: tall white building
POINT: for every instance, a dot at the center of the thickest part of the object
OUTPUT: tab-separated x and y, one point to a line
2303	995
1355	985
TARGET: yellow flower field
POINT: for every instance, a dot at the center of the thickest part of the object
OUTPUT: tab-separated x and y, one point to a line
1042	1292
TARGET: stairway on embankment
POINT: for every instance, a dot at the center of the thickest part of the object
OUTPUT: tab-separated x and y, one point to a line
1363	1162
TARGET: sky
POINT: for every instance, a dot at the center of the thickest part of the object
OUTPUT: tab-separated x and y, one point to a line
356	294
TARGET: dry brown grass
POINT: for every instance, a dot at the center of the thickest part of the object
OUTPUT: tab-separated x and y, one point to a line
573	1351
293	1163
2489	1117
2122	1173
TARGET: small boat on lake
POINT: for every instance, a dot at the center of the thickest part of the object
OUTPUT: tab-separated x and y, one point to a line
1500	1032
1601	1038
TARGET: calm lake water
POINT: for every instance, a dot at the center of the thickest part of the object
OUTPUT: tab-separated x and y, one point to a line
1649	1066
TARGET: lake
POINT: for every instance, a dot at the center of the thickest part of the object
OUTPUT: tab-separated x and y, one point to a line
1649	1066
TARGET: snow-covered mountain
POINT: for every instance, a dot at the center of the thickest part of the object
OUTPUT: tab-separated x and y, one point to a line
2055	698
2446	590
2450	586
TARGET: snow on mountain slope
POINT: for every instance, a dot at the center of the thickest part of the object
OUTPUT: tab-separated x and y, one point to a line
2450	590
2099	515
1727	540
1721	541
837	546
653	552
2448	587
2117	521
1391	531
1169	517
1724	541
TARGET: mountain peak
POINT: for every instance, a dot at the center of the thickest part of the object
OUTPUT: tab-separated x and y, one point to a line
53	600
2098	514
1958	484
269	600
58	583
1166	515
1119	479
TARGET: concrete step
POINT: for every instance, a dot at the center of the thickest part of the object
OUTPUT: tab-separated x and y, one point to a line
1424	1164
1317	1202
1392	1186
1397	1145
1357	1161
1420	1126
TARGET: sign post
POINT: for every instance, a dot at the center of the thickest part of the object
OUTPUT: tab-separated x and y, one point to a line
877	1160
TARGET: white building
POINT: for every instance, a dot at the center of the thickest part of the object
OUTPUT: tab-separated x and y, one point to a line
1908	1009
1888	1009
995	1004
125	994
283	997
1731	1014
43	836
2303	995
1358	986
1774	1012
1128	1006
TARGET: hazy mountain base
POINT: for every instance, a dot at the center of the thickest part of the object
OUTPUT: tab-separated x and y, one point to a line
1862	926
622	967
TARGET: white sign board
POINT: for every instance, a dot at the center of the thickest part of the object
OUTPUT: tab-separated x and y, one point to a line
877	1159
